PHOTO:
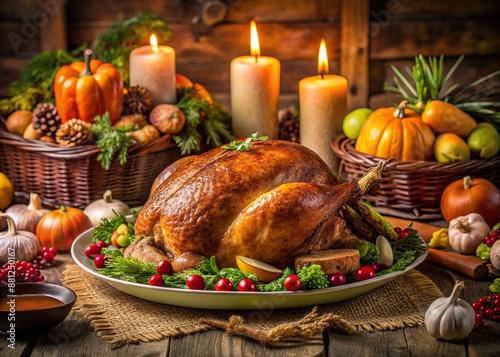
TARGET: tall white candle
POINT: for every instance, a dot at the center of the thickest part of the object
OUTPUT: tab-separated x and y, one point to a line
153	67
255	89
323	106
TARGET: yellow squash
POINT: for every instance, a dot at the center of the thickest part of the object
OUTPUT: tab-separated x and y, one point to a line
396	133
444	117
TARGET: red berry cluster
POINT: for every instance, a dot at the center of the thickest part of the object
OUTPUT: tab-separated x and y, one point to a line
28	272
486	307
491	238
46	256
23	271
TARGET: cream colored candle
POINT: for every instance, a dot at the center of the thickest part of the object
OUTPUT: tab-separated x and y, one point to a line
255	89
323	106
153	67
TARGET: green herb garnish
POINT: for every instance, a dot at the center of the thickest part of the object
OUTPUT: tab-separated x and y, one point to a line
127	269
104	230
245	144
111	140
405	250
312	277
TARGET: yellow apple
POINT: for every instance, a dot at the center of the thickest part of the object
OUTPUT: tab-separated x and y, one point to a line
264	272
450	147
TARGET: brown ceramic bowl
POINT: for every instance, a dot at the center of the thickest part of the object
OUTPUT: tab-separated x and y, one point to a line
42	318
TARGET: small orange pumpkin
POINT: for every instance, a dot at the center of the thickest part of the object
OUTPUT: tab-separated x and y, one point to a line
476	195
87	89
60	227
396	133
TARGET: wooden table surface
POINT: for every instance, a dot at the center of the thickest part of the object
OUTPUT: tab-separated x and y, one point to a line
75	337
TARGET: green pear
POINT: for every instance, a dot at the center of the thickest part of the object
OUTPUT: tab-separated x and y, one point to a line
484	141
353	122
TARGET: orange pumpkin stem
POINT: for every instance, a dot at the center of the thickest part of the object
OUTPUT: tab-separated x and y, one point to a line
400	112
88	56
467	182
63	209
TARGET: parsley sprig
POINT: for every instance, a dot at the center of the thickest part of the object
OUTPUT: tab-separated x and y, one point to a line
245	144
112	141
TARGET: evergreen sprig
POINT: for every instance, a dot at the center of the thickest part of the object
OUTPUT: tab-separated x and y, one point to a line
26	100
36	81
203	120
40	71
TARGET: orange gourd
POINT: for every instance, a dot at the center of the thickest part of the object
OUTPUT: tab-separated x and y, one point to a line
396	133
444	117
87	89
60	227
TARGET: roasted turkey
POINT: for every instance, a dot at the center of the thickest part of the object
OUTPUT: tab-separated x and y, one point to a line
276	201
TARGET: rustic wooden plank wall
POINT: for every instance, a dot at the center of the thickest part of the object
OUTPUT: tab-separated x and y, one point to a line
363	37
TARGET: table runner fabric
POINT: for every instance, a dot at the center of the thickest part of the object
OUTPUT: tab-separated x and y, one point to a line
119	318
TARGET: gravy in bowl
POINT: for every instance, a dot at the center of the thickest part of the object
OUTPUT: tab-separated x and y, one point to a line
29	302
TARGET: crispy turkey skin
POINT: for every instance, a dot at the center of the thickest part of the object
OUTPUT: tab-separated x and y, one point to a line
273	202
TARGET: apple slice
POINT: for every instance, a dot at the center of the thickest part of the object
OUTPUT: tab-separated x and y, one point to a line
264	272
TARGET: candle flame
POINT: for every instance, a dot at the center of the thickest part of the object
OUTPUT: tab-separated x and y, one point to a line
254	40
154	43
322	58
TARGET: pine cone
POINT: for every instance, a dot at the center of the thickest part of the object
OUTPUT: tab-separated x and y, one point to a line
137	100
74	132
45	119
288	126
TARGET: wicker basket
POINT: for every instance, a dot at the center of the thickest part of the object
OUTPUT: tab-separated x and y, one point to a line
74	177
411	189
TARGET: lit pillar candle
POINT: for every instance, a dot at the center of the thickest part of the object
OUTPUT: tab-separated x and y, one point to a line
255	89
323	106
153	67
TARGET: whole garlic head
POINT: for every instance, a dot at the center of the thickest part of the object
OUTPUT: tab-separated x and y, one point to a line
450	318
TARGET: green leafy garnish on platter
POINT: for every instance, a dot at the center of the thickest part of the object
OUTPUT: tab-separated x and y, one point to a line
405	251
104	230
244	145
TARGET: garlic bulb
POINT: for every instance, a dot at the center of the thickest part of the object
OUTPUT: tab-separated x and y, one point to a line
465	233
26	217
17	245
106	207
450	318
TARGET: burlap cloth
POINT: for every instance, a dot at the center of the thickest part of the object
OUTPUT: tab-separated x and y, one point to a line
120	318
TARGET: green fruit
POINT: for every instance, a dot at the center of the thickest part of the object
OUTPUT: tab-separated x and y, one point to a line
123	240
484	141
353	122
